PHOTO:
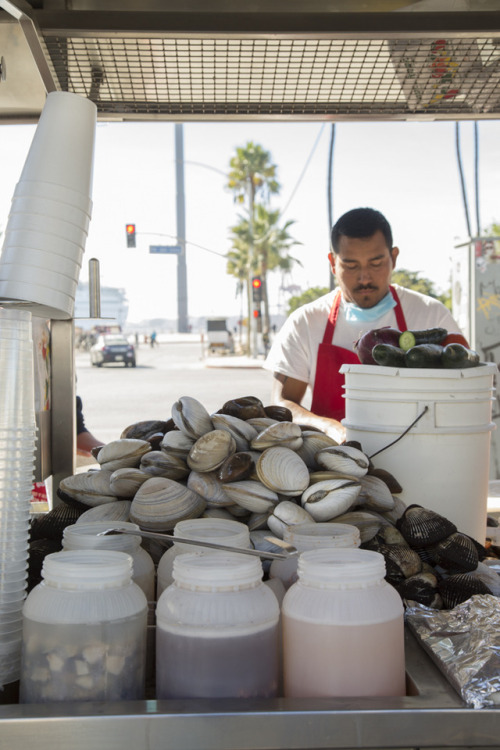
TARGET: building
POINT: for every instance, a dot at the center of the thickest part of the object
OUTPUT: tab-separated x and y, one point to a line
114	306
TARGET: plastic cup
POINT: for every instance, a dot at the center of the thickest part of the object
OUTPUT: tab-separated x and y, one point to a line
16	317
32	275
15	584
62	150
47	226
41	301
36	241
48	207
37	188
42	260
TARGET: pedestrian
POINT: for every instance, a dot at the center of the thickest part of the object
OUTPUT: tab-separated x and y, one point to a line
85	441
318	337
153	339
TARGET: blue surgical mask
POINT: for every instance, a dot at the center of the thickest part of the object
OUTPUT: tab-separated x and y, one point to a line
354	313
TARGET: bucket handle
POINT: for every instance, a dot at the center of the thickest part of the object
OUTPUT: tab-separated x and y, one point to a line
425	410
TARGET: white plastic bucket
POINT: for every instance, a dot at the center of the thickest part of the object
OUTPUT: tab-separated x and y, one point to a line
442	462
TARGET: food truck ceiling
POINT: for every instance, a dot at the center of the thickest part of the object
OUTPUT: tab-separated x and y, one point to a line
261	60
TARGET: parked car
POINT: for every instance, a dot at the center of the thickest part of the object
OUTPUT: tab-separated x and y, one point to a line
112	347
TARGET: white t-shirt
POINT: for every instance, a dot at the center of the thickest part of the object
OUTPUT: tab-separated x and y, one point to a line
295	348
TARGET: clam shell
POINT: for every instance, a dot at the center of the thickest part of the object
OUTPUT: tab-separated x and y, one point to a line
421	588
457	588
261	423
422	527
177	443
282	470
250	495
145	429
369	524
90	487
391	535
406	560
236	467
162	464
388	478
117	511
245	407
161	502
343	458
242	432
257	521
211	450
397	511
286	434
456	554
209	487
312	442
191	417
279	413
213	511
126	482
375	494
285	514
122	453
322	474
326	500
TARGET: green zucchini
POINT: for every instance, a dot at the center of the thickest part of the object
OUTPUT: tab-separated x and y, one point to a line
409	339
424	355
457	356
388	355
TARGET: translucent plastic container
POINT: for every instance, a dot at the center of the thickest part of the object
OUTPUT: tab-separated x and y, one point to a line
215	530
217	630
343	628
85	536
84	630
308	536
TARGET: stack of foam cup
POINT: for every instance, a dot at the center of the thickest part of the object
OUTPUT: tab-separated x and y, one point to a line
17	463
51	210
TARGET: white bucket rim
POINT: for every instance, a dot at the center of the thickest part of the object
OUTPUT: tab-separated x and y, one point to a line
421	372
415	432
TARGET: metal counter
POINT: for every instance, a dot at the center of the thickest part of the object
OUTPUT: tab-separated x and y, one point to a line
431	715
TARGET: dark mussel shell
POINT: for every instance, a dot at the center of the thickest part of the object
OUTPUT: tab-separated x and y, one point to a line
245	407
279	413
236	467
145	429
388	478
51	525
458	588
421	588
404	558
457	553
37	552
422	527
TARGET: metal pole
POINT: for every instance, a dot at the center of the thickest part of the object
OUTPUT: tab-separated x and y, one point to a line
94	289
182	308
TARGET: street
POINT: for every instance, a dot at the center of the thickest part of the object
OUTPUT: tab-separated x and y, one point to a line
115	396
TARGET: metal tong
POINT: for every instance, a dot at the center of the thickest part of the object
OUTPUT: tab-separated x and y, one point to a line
289	550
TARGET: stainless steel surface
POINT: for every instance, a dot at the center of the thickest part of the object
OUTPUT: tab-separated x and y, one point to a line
227	60
431	716
170	539
94	289
63	402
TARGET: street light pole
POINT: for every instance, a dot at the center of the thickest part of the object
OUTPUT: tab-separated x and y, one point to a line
182	306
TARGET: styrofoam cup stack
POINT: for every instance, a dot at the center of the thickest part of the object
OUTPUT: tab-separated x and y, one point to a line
51	210
17	463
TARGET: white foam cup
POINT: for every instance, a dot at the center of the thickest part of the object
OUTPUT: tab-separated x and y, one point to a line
41	301
62	150
47	226
51	191
52	209
24	256
36	241
39	277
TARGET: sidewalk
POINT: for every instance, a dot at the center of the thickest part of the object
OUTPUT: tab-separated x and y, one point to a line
234	361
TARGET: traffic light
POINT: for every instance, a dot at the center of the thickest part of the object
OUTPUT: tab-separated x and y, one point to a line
256	289
256	313
130	232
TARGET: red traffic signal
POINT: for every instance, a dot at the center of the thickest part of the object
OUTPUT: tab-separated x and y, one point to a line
257	289
130	233
256	313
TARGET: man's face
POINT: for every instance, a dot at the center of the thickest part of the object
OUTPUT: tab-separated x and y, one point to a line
363	268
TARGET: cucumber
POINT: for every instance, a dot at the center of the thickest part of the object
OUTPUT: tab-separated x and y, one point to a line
424	355
457	356
409	339
388	355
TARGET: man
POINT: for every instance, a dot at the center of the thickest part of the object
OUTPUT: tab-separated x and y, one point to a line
319	337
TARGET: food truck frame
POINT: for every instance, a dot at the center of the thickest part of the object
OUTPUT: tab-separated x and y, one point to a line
444	86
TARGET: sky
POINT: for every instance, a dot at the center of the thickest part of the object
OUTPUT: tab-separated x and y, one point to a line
407	170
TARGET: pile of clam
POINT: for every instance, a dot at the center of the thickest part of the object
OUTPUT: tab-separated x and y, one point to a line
251	463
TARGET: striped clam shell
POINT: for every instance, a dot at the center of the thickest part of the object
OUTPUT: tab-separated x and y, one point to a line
90	487
242	432
375	494
126	482
162	464
211	450
117	511
422	527
208	486
345	459
312	442
251	495
261	423
457	553
122	453
191	417
240	465
287	434
369	524
324	501
161	502
459	587
282	470
177	443
286	514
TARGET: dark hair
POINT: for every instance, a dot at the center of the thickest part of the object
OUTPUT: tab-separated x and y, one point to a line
361	222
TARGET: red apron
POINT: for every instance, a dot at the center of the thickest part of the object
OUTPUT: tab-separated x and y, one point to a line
328	393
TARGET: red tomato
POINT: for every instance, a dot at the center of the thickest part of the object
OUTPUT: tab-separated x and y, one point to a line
455	338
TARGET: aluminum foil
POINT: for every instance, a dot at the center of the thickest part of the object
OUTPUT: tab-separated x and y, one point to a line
464	642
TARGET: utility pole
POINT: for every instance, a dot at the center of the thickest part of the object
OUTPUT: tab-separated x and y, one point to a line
182	304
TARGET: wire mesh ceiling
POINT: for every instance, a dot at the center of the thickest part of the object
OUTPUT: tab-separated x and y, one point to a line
245	77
